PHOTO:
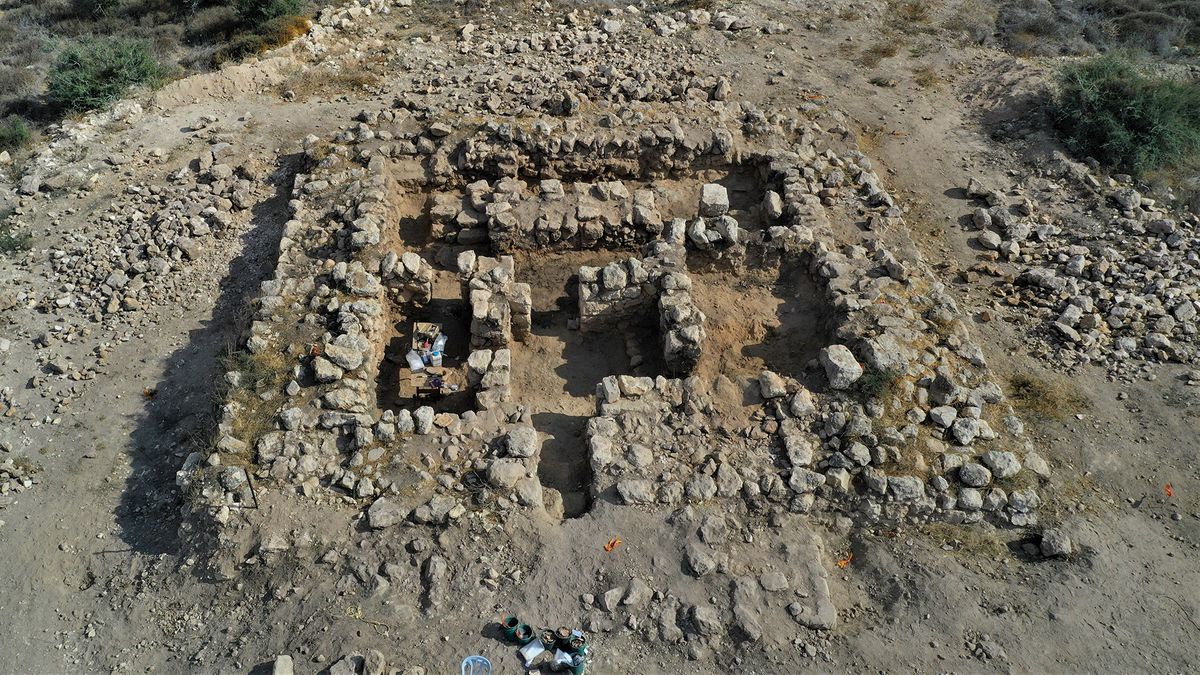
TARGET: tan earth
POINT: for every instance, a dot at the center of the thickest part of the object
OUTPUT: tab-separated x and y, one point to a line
94	576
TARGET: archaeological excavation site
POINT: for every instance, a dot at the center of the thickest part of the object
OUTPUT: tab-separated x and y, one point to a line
460	337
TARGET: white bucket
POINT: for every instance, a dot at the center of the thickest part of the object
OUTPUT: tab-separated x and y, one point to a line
435	359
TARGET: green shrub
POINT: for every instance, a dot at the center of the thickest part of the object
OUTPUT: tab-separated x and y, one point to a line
95	8
1107	109
97	71
14	133
273	33
1154	25
876	384
255	14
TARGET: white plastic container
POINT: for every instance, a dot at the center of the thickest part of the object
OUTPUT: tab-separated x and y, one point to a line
439	344
532	651
435	359
414	361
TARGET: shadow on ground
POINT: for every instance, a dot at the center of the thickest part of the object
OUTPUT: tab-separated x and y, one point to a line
182	413
564	463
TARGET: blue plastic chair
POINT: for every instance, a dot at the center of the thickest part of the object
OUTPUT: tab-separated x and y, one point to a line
476	665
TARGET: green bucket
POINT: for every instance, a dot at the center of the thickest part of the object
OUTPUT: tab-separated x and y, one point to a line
510	625
562	638
523	634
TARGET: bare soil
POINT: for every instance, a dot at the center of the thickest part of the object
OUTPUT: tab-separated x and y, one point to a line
93	578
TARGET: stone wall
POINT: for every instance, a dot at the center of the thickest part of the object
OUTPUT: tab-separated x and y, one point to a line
512	215
610	296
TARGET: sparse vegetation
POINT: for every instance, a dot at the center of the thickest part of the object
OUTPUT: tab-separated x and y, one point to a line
1054	399
927	77
262	37
975	18
909	12
95	9
878	52
256	14
95	72
259	373
876	384
14	133
972	542
309	82
11	241
37	37
1051	27
1110	110
1155	25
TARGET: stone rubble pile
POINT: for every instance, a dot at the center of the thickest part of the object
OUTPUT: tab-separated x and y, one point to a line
408	277
15	477
714	230
566	150
130	257
1115	288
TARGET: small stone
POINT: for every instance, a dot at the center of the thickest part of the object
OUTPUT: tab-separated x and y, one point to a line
637	593
773	582
1002	464
423	420
384	513
521	442
699	559
282	666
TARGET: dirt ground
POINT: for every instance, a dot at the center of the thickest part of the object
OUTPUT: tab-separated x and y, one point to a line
93	577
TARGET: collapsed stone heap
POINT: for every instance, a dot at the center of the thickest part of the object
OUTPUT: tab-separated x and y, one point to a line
1115	287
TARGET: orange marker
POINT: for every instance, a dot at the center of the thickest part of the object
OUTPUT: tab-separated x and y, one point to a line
1169	490
612	543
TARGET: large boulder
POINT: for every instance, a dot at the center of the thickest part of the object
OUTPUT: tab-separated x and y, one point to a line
384	513
505	473
521	442
841	367
714	200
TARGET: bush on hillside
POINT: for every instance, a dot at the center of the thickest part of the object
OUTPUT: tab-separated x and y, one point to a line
14	133
1108	109
1154	25
274	33
95	8
94	72
256	14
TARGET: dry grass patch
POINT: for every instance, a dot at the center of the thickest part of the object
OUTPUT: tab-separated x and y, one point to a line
877	53
971	540
318	81
869	139
259	374
909	16
927	77
974	18
1053	397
